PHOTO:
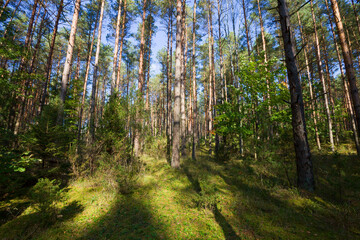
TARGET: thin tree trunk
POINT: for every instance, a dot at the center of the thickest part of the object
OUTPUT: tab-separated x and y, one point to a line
87	70
168	82
139	96
175	160
312	107
210	92
50	57
96	69
194	134
121	47
322	79
246	28
116	50
4	7
183	80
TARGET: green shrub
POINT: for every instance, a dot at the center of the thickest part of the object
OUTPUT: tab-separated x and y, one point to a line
44	196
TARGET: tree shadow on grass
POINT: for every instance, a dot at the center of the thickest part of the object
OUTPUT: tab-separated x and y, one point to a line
29	225
227	229
130	218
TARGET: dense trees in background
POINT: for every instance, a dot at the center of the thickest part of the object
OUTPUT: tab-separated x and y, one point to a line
242	77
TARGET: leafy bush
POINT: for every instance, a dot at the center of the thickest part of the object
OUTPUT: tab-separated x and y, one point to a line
44	196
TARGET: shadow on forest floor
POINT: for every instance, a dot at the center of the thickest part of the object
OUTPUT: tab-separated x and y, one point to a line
243	199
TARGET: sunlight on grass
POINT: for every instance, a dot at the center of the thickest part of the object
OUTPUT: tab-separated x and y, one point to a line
206	199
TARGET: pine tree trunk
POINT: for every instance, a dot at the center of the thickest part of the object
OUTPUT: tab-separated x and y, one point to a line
349	67
139	96
246	28
303	157
194	93
67	66
312	107
175	160
348	103
87	70
121	48
96	69
50	57
116	50
322	79
183	80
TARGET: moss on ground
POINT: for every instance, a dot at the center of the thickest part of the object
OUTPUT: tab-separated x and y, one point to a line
206	199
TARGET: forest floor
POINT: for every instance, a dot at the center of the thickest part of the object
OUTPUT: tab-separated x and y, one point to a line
206	199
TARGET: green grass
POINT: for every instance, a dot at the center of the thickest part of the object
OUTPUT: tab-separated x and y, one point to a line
206	199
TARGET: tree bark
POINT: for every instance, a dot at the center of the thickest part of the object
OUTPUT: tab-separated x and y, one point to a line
322	79
183	80
139	96
50	57
175	160
348	102
67	66
88	63
194	133
303	157
312	107
96	69
349	67
121	47
116	50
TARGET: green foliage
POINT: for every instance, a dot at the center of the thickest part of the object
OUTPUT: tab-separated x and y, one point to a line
260	88
47	139
44	196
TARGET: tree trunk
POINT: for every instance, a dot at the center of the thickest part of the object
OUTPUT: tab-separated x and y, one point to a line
183	80
246	28
88	63
67	66
322	79
139	96
194	133
303	157
4	7
346	89
121	47
168	82
96	69
175	160
350	72
312	107
50	57
116	48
